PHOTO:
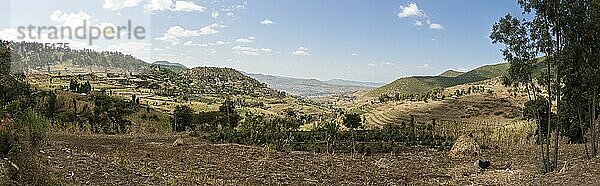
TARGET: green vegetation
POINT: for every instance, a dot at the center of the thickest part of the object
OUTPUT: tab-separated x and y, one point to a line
22	129
424	84
566	33
279	133
42	57
352	121
451	73
76	87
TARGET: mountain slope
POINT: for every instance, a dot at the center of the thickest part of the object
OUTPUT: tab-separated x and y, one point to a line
305	87
215	80
39	57
422	84
175	67
451	73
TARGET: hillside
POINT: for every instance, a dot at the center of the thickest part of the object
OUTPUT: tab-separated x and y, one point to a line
422	84
451	73
175	67
38	57
214	80
308	87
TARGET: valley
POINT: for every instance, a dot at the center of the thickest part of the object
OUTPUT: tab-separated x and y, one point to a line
299	93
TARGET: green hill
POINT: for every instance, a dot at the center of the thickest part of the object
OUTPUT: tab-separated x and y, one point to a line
422	84
451	73
175	67
215	80
41	57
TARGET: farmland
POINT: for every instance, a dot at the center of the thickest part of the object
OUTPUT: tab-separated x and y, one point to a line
152	159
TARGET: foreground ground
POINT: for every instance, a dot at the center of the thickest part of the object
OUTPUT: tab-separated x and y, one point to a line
153	160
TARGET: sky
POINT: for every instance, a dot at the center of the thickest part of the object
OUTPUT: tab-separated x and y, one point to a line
364	40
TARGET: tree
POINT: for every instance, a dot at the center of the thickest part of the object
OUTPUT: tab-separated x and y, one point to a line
520	54
73	86
109	115
227	110
183	119
352	120
566	33
51	108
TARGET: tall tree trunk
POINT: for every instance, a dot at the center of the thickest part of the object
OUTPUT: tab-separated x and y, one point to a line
593	124
549	111
538	123
556	130
587	155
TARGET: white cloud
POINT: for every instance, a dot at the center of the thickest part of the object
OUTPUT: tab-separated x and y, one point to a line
434	39
163	5
186	6
411	10
120	4
216	43
418	23
371	64
389	63
214	14
301	51
159	5
175	33
355	54
230	14
246	40
250	51
267	50
208	30
72	19
436	26
267	22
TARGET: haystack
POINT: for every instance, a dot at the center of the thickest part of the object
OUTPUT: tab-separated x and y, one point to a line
179	142
464	146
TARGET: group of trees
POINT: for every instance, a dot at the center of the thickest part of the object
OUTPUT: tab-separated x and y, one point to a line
434	94
76	87
40	56
109	115
567	34
186	119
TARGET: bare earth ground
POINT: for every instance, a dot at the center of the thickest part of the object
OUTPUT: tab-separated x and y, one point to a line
153	160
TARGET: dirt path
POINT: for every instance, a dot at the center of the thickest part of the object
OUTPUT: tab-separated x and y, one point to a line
153	160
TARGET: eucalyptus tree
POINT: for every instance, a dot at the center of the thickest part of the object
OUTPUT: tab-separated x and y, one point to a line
520	54
565	33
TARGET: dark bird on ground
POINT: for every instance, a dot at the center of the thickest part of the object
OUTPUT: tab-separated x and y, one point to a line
482	164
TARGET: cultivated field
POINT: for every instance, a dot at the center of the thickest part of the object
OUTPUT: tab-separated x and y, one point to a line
153	160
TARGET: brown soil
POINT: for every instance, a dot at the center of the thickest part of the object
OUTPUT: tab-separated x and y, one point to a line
153	160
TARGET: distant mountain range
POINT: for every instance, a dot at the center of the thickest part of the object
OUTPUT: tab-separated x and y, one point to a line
342	82
312	87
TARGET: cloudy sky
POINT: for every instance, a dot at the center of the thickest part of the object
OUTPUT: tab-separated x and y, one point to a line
362	40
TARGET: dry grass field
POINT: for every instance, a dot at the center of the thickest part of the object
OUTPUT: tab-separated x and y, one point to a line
153	160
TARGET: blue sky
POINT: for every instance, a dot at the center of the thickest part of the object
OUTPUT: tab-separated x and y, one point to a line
349	39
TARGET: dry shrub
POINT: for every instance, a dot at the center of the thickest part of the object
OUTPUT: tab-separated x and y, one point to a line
22	163
464	146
